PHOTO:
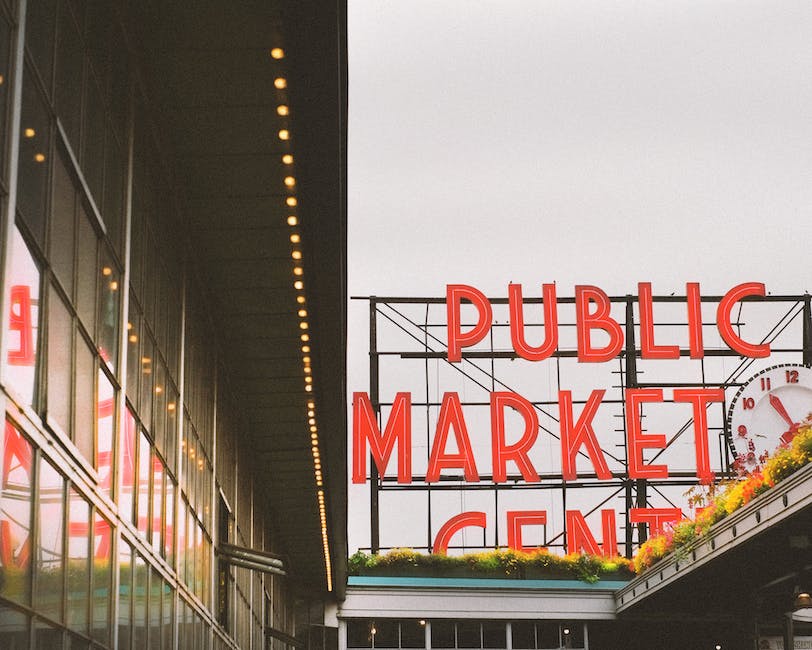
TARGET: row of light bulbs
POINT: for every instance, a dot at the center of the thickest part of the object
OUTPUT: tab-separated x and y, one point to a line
283	110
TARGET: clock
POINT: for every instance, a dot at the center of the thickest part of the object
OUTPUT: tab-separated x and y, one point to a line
767	411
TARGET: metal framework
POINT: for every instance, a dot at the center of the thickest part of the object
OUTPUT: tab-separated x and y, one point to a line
420	339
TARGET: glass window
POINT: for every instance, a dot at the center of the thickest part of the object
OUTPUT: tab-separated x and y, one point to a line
105	426
169	521
109	291
386	634
35	150
548	634
155	589
523	634
39	35
46	637
144	473
413	634
50	554
13	629
87	265
93	137
442	634
359	634
468	634
147	363
126	467
84	425
133	352
572	634
69	66
16	498
125	595
60	346
114	171
63	223
78	562
5	45
140	602
22	291
157	501
493	634
102	578
159	405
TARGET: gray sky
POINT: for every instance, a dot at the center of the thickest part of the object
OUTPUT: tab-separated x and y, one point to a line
578	142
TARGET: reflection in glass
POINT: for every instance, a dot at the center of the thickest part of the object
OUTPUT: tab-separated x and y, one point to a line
86	271
84	417
144	467
78	561
147	363
105	419
60	345
140	602
155	589
47	637
50	553
157	500
35	147
125	588
126	467
102	578
5	41
109	292
168	609
22	296
13	629
63	226
133	351
169	520
16	496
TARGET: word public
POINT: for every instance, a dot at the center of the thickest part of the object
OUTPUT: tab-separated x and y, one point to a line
577	434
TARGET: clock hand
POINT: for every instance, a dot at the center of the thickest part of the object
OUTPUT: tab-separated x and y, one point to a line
775	402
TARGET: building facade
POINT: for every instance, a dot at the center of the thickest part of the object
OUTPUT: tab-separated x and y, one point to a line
140	505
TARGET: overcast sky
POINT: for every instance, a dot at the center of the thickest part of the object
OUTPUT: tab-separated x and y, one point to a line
577	142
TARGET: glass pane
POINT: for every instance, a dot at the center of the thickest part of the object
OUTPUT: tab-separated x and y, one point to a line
109	291
523	634
169	521
63	226
493	634
125	596
136	249
140	602
16	497
573	634
144	462
167	615
35	147
84	415
102	578
60	345
157	500
171	425
13	629
93	137
412	634
468	634
5	45
126	467
145	407
547	634
47	637
159	406
86	288
50	554
39	35
155	589
22	289
78	562
182	540
133	352
69	62
442	634
113	186
105	423
358	634
386	634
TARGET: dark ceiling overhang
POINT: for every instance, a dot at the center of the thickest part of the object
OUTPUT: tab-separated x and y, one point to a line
210	76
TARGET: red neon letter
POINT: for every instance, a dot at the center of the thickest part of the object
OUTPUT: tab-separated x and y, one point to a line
458	522
21	321
398	428
694	300
451	416
648	349
585	322
518	518
636	439
655	518
573	437
700	398
517	323
502	452
580	538
457	339
757	351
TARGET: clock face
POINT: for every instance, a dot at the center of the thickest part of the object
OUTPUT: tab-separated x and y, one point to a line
766	412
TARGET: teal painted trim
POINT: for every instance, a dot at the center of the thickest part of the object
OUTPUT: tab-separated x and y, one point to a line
495	583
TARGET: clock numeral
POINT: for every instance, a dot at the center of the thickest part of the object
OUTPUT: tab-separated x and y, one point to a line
748	403
792	376
742	430
765	383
